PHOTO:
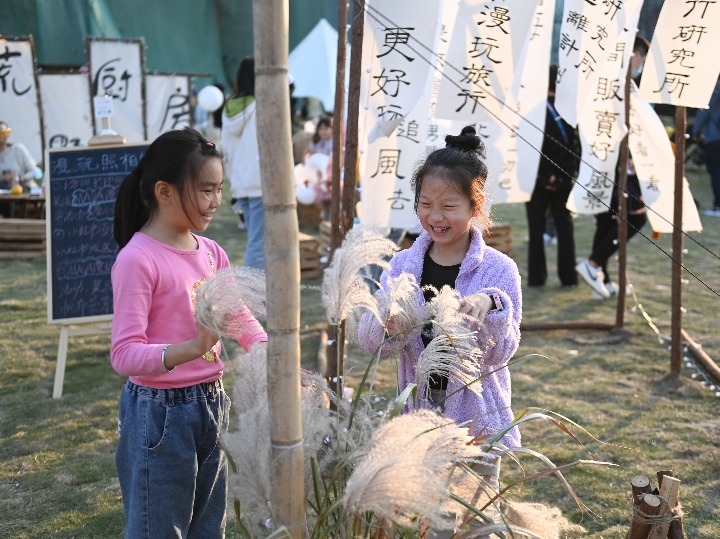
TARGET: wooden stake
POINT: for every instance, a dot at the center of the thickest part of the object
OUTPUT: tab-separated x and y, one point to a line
648	505
640	485
668	498
677	530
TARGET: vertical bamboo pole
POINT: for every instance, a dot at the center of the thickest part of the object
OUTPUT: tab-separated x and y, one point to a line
622	212
677	243
336	234
270	26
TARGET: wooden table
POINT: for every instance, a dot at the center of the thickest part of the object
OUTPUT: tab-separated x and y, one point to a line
22	206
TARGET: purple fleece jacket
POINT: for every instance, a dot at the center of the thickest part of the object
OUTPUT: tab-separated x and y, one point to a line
487	270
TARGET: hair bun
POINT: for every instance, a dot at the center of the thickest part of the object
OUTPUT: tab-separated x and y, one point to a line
467	141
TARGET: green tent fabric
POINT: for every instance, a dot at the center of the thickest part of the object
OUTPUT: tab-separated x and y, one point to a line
181	36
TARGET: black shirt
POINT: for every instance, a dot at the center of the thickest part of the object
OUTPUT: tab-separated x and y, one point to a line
438	276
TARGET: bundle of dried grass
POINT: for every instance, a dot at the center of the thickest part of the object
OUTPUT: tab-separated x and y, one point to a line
405	475
345	285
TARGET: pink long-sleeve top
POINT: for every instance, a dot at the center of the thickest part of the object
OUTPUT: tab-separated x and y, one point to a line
154	288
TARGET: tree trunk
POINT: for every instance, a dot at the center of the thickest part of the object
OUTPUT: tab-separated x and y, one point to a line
282	254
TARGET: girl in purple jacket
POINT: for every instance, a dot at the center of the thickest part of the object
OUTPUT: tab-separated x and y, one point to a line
449	200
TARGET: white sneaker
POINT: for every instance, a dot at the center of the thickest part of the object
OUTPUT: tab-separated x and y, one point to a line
714	212
594	277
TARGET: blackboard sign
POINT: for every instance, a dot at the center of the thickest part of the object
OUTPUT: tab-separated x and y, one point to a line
81	187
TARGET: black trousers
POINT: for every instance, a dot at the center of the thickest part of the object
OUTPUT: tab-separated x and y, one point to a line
606	235
536	209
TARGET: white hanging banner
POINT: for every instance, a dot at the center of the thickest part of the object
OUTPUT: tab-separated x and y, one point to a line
117	69
19	94
601	126
516	155
654	162
168	103
683	64
396	60
67	112
590	35
387	199
486	42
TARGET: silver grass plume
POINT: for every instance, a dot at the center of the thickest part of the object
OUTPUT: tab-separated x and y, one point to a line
248	446
345	287
455	355
399	302
223	295
406	473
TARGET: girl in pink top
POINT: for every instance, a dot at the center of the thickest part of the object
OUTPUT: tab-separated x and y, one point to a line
173	473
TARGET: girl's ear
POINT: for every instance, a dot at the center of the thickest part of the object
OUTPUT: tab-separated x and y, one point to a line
163	192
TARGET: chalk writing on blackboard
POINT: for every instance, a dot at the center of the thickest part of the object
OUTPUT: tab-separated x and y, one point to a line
82	187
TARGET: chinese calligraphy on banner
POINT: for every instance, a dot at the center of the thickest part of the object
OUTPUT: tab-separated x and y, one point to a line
683	64
393	122
168	103
117	69
67	111
589	37
19	93
486	42
515	158
654	163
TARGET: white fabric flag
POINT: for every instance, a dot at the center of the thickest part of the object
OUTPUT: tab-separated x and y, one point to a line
602	128
589	34
117	69
486	42
516	156
19	94
168	103
395	93
654	161
683	64
397	62
67	111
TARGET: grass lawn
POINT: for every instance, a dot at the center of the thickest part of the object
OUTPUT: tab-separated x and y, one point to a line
57	472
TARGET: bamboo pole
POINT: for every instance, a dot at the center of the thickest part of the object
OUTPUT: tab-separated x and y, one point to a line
270	27
677	243
623	211
336	233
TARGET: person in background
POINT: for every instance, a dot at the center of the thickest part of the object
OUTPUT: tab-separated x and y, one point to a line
17	166
322	141
240	147
594	270
172	470
559	164
707	130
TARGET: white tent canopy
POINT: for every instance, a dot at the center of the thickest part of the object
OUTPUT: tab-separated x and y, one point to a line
313	64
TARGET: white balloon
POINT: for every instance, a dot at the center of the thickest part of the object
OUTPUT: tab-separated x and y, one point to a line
305	194
302	175
317	166
210	98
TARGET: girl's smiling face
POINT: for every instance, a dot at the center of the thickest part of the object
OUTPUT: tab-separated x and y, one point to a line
205	196
445	213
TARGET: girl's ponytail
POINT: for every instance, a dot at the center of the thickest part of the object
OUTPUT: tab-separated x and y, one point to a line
131	211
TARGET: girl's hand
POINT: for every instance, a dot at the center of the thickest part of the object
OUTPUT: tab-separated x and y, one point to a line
390	327
476	306
205	339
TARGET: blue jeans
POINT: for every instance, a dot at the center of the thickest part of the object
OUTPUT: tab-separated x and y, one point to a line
254	213
172	471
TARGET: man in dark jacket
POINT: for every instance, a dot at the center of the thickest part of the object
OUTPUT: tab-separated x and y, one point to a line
559	164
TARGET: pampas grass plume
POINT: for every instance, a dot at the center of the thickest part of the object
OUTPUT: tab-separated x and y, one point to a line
344	287
405	475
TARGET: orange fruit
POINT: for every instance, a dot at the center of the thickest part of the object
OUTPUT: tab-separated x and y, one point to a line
16	190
